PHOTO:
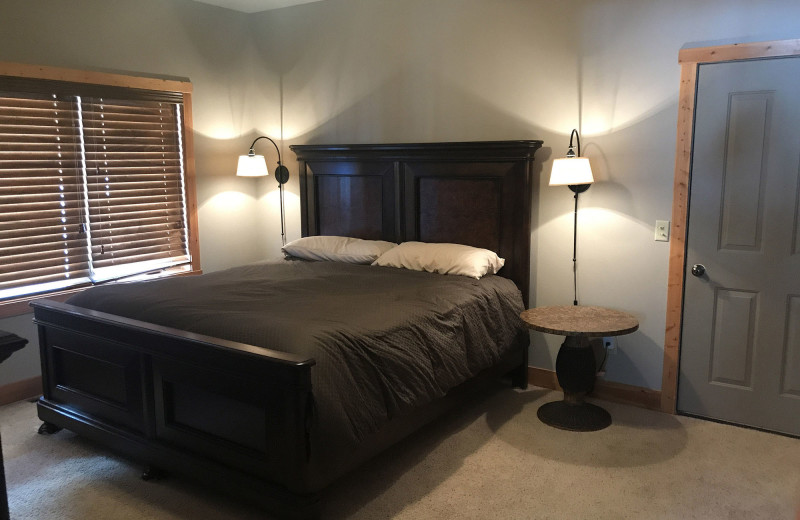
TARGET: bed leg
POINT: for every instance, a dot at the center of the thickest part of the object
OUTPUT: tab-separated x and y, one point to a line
519	377
153	473
48	428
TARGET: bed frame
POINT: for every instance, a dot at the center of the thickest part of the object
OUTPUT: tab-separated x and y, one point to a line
236	416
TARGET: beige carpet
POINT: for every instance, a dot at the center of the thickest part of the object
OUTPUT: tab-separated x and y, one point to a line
494	460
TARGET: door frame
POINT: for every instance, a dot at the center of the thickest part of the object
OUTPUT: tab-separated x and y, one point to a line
690	61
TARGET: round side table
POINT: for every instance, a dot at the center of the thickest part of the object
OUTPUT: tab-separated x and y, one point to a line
575	365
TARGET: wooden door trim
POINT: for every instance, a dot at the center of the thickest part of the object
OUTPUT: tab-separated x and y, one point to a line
690	60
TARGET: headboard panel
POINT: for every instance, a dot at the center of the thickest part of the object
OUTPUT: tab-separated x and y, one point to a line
350	199
444	204
473	193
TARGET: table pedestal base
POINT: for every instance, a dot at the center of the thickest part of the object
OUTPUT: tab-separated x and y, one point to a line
576	369
576	417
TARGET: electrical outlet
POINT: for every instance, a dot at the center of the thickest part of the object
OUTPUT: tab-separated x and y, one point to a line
662	231
610	343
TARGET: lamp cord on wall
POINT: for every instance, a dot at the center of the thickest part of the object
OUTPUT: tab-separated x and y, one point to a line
280	184
574	253
283	224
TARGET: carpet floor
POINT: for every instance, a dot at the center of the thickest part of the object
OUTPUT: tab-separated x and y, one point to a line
491	460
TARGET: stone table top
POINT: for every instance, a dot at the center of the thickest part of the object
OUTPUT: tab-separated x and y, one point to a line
580	320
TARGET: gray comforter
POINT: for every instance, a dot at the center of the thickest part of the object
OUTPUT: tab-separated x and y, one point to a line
385	340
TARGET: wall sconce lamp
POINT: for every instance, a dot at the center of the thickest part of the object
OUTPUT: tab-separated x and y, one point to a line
252	165
574	172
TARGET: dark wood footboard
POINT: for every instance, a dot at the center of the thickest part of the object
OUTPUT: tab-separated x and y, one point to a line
237	415
234	416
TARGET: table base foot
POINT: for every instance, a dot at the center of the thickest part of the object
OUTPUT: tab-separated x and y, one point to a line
576	417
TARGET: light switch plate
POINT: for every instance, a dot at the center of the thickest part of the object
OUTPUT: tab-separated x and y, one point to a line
662	231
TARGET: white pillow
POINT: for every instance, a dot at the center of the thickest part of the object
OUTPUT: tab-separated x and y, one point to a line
442	258
337	249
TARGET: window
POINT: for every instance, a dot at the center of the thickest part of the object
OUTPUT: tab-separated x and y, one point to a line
95	180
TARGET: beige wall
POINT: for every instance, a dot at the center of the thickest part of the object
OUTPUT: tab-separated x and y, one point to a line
421	70
177	38
427	70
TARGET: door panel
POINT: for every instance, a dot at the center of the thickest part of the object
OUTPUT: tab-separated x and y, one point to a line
743	174
732	343
790	383
740	357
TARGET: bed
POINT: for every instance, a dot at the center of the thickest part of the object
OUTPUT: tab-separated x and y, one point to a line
225	401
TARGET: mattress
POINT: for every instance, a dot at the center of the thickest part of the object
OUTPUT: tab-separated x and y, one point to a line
385	340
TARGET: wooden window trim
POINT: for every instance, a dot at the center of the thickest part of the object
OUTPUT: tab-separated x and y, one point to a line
21	305
690	60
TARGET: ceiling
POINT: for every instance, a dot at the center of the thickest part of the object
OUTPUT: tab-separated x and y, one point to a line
255	6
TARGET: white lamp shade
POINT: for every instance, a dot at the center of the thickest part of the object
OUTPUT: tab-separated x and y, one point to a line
571	170
252	166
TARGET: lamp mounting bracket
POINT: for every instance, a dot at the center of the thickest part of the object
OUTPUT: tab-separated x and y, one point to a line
281	174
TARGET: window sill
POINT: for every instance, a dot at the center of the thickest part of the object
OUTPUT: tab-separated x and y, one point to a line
20	306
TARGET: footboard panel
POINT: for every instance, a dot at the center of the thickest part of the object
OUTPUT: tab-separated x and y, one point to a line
233	405
96	380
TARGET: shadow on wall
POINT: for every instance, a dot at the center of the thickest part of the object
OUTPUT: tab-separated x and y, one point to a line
348	51
621	364
391	112
217	157
542	155
218	47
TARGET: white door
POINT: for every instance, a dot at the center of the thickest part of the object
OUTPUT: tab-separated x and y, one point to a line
740	346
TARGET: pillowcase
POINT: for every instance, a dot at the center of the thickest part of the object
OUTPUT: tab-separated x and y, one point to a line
442	258
337	249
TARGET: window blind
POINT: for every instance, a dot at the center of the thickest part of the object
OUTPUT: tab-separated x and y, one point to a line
91	187
42	244
134	186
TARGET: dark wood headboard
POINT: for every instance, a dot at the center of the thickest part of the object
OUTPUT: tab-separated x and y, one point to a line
473	193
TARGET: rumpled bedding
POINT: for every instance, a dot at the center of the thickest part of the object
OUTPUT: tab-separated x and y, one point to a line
385	340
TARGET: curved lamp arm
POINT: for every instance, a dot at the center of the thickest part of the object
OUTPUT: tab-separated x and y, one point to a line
571	152
281	172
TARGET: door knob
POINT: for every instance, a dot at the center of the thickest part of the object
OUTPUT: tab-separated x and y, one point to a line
698	270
